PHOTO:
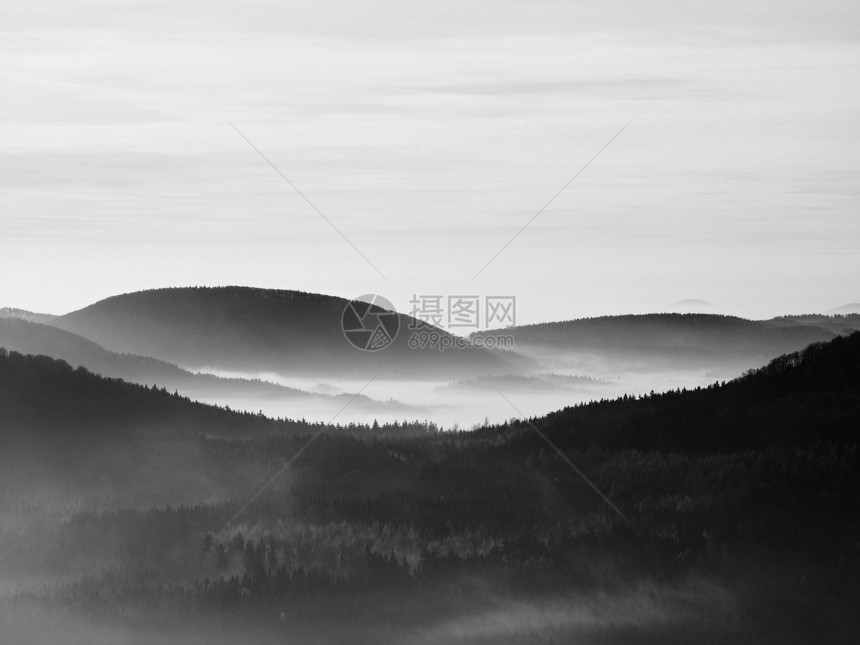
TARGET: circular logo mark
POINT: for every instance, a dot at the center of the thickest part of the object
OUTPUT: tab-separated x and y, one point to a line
370	322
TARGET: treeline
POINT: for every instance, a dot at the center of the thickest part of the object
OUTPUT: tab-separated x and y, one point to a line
753	485
797	399
670	337
48	398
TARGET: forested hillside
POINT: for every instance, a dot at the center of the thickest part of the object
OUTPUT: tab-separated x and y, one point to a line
28	337
796	399
742	503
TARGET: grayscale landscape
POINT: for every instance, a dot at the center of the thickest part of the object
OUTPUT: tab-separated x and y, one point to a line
449	323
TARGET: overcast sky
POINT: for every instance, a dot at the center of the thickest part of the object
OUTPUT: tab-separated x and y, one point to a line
429	133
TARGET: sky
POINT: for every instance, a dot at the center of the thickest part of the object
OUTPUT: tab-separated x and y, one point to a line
429	134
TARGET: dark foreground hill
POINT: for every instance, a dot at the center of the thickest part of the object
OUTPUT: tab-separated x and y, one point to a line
795	400
91	436
44	400
737	533
263	330
43	397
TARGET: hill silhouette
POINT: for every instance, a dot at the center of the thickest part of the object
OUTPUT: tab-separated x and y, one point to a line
42	397
668	339
32	338
747	488
23	314
692	305
26	337
836	323
795	400
256	330
850	308
693	302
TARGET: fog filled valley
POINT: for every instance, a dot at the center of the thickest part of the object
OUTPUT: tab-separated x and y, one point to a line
460	322
283	353
169	474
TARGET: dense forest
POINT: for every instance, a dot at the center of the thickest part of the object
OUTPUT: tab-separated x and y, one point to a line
124	520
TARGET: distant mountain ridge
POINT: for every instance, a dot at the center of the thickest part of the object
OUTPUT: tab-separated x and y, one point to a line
692	305
23	314
25	337
693	301
257	330
845	323
670	336
850	308
249	330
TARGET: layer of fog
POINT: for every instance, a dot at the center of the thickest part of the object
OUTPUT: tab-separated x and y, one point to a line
466	403
664	613
694	611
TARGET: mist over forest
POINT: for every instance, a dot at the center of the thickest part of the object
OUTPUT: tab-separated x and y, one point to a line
283	353
460	322
649	498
